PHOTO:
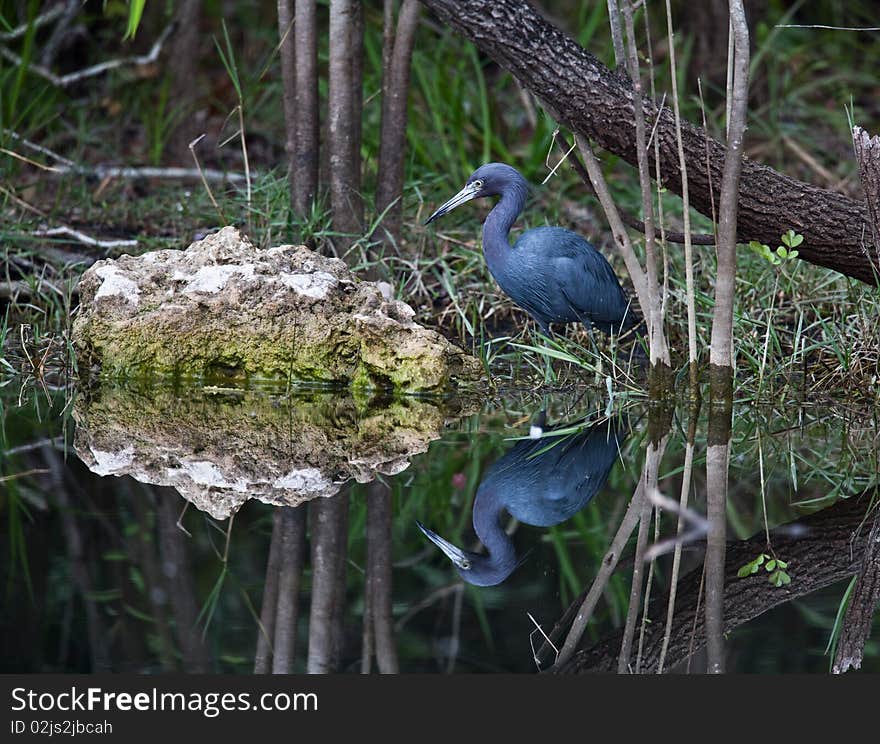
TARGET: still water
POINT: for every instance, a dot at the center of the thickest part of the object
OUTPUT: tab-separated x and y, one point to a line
219	530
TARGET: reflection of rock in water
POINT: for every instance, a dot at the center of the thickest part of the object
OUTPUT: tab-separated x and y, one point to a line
220	450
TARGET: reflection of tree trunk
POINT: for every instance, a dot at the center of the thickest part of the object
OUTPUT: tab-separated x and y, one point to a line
328	518
862	604
595	102
266	632
378	579
79	571
181	586
293	540
142	548
821	555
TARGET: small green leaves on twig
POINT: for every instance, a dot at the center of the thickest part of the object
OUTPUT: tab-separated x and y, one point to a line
774	566
784	252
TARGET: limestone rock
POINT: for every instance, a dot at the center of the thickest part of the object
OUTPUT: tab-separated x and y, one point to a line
223	310
219	449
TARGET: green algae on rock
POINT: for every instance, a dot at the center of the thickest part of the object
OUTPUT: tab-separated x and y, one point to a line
219	449
223	310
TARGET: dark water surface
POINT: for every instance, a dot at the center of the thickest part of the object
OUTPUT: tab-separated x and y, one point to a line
151	530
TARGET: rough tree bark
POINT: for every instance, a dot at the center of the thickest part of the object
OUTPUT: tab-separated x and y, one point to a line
328	519
290	568
596	102
305	158
344	121
867	151
820	554
185	90
287	58
862	605
392	143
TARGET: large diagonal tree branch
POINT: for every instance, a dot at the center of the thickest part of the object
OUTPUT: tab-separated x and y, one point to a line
592	100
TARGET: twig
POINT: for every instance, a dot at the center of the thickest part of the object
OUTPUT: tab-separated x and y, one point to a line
62	81
40	20
83	238
829	28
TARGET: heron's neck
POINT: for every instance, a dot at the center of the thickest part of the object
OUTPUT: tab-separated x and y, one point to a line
499	221
487	524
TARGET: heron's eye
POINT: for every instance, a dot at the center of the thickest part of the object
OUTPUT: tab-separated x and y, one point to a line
465	564
478	185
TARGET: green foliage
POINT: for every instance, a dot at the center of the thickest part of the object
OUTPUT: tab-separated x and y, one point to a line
135	12
774	566
784	252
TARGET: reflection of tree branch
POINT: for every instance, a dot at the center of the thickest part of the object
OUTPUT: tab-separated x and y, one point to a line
328	519
862	604
821	553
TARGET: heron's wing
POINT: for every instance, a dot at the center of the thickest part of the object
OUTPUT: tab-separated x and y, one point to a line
588	282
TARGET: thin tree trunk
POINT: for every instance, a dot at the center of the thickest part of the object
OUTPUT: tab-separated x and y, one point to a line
185	90
287	57
306	111
343	129
721	353
392	137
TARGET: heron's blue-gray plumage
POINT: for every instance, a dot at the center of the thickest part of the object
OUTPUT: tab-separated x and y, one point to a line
552	273
541	482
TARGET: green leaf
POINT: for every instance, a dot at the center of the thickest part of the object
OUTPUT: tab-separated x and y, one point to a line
744	571
793	254
781	252
135	11
781	564
784	577
771	565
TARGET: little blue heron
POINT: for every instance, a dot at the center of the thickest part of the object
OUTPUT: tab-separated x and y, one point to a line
541	482
552	273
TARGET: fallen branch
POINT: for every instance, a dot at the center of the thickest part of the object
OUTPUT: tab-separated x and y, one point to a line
81	237
40	20
62	81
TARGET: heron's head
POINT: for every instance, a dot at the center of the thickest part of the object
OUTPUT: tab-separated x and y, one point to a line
491	179
476	569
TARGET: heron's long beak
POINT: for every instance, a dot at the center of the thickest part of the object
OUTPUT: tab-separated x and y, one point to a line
456	555
465	195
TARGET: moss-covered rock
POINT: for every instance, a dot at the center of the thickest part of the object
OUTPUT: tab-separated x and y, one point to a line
221	448
222	310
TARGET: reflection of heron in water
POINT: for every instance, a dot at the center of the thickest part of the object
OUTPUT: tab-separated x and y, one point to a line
541	482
